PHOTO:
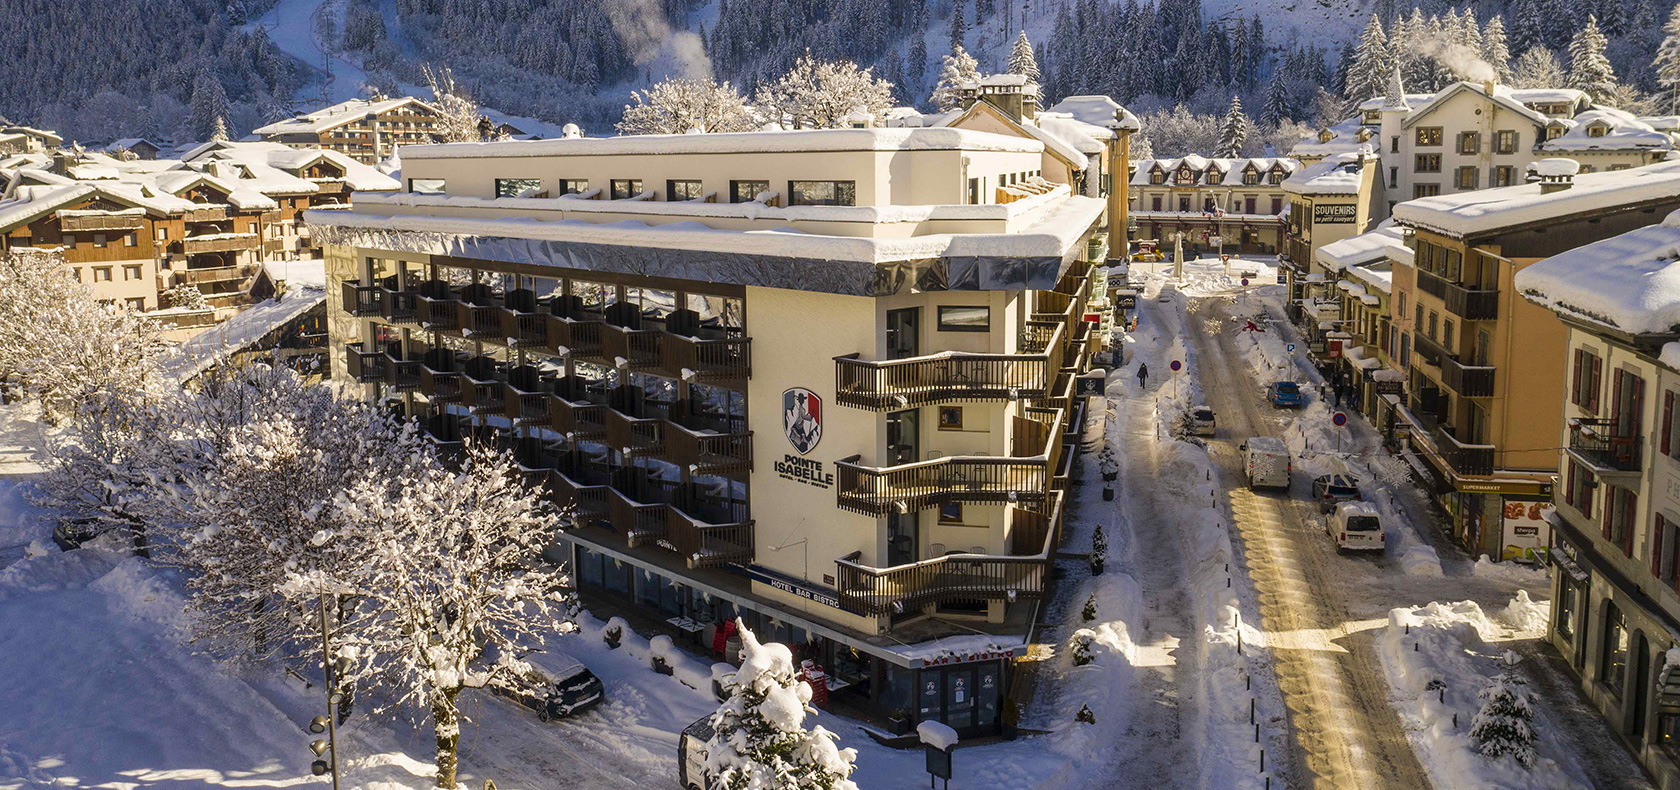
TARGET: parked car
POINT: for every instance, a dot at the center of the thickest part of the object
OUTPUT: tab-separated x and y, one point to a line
1267	463
1199	421
1333	489
691	758
1355	526
1285	395
71	533
556	695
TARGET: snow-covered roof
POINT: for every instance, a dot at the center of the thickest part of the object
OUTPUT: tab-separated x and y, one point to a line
1089	138
1413	100
1055	143
1617	131
239	332
24	204
1502	95
277	168
1384	243
1202	165
44	135
1487	210
1334	175
1630	282
798	141
337	115
1096	110
128	143
1569	96
1344	139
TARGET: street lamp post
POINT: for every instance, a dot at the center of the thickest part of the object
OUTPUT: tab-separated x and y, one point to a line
326	751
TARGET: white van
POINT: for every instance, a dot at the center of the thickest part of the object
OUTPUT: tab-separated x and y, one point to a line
1355	526
691	756
1267	462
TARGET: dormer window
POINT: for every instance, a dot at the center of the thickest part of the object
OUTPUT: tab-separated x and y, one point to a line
1597	129
1276	176
1157	177
1186	176
1325	135
1251	177
1215	176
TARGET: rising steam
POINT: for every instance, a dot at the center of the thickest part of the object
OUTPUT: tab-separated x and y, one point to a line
1460	59
649	36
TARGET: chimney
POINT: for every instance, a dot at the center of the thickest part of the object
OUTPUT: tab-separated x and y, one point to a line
1489	84
1553	175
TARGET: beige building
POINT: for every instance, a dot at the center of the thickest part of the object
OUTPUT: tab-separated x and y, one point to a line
1482	388
1615	537
816	379
1227	205
1369	324
1332	199
366	130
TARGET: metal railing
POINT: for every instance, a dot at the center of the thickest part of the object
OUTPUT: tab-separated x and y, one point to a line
1607	444
952	376
881	491
1470	381
364	365
1465	459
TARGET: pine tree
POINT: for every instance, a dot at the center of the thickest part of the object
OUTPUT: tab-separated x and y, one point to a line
916	68
1536	68
1021	60
1589	69
1372	62
760	740
1233	132
1528	26
959	28
1612	17
1494	49
957	69
209	103
218	131
1276	108
1505	724
1667	62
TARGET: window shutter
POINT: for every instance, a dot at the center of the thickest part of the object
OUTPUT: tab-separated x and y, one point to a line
1637	418
1627	522
1575	380
1597	382
1667	419
1605	517
1656	548
1569	488
1615	398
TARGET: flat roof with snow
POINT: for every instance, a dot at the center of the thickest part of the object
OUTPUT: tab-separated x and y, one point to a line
801	141
1490	210
1629	282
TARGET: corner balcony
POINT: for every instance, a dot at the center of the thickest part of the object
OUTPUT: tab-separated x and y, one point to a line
700	542
1019	479
1019	575
1464	459
361	300
365	362
1470	381
1606	447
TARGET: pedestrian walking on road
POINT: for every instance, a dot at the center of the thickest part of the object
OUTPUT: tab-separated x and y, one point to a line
1143	375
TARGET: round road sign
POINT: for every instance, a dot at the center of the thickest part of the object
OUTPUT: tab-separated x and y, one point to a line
1290	348
1176	365
1245	281
1339	418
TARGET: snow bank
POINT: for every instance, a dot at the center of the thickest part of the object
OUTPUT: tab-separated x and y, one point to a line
138	590
937	735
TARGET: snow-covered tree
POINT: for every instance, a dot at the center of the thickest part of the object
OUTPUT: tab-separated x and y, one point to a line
1495	50
1505	723
1536	68
58	343
1667	62
678	105
959	26
760	740
1589	69
1372	62
821	94
957	69
218	130
183	297
1275	110
1233	131
457	112
209	103
102	462
1021	58
450	586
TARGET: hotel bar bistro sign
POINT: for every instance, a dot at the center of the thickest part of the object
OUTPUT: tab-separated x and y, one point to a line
802	424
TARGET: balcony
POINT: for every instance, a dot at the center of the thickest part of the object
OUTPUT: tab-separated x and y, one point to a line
206	214
1464	459
708	452
523	323
940	378
723	360
361	300
445	432
669	526
641	348
871	591
636	429
440	375
220	242
478	313
210	275
435	306
1470	381
396	305
577	410
364	365
1606	446
483	387
527	396
1466	303
80	222
579	486
402	375
579	337
1021	478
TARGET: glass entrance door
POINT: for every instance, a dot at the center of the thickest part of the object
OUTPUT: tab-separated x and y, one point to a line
959	698
903	333
903	538
903	437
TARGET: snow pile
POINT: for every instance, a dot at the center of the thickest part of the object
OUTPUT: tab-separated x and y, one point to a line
1621	131
1438	659
1528	615
1340	174
937	735
1631	281
136	589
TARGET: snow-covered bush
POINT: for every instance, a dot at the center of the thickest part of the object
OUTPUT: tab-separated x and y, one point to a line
1090	611
183	297
677	105
1504	725
613	632
817	94
1079	646
760	740
1099	551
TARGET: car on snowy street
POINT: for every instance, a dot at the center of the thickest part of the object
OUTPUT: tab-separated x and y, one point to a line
555	695
1267	463
1333	489
1285	395
691	755
1199	421
1355	526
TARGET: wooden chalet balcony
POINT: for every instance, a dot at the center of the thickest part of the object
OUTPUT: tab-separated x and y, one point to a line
1466	303
71	222
331	186
396	305
1470	381
575	410
1606	445
714	360
707	452
483	389
362	300
527	396
365	363
701	544
435	307
636	428
951	376
440	375
479	312
206	214
402	375
213	274
581	337
1023	477
523	323
579	487
1019	575
220	242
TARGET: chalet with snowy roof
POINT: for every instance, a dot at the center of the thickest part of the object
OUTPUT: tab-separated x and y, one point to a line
1487	370
366	130
133	148
720	346
1615	533
26	140
1213	204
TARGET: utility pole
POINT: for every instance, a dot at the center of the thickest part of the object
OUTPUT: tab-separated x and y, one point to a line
329	722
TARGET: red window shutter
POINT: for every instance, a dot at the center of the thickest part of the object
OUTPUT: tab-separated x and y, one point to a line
1615	398
1667	419
1575	380
1605	518
1656	548
1626	515
1597	382
1637	419
1569	487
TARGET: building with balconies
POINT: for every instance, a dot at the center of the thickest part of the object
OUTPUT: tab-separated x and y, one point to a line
366	130
1486	369
1615	534
812	379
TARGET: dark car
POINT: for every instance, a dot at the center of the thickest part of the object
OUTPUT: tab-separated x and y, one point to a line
71	533
1333	489
1285	395
556	696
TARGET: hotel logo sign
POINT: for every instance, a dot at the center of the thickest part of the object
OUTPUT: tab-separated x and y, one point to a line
802	419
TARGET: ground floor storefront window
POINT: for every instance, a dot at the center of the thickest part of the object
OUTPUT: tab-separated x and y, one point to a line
1612	665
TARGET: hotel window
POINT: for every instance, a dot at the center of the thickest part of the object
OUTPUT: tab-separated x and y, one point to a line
1612	665
1617	517
965	318
162	234
747	191
1276	177
515	187
68	240
1503	175
1586	380
132	271
1622	166
822	193
101	274
1468	177
574	186
1215	176
684	189
1425	190
1155	203
950	418
1665	551
1426	163
950	513
426	186
1183	202
135	303
626	188
1588	169
1434	324
1394	144
1429	135
1393	176
1554	132
1505	141
99	240
1469	142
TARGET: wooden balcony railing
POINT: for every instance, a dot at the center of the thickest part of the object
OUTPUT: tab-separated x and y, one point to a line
361	300
639	347
1465	459
881	491
715	360
527	397
577	418
635	435
1470	304
874	591
569	487
396	305
210	275
1470	381
435	306
951	376
483	390
708	453
402	375
220	242
1607	444
79	223
364	365
575	337
523	323
478	313
440	375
